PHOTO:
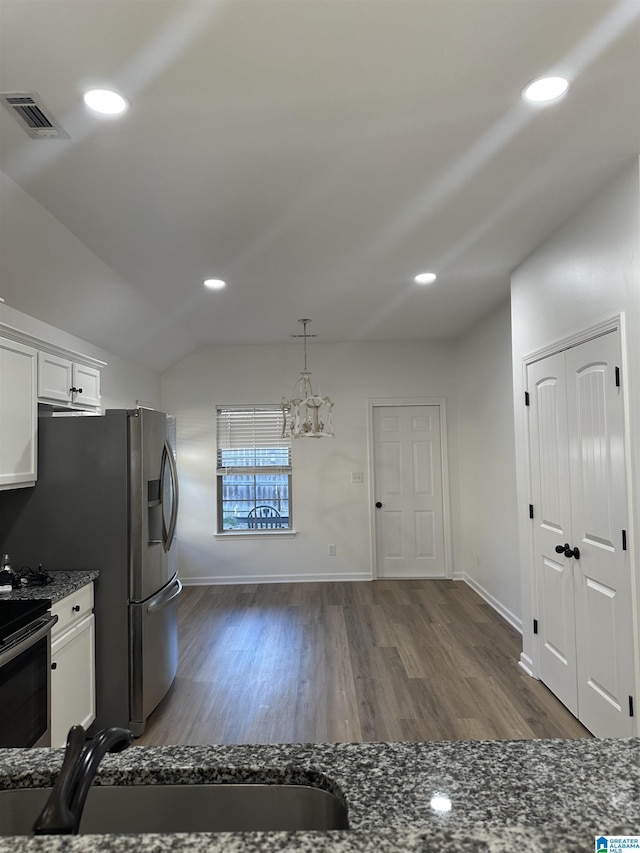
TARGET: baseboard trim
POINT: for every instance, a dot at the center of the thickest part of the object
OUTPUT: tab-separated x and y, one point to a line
506	614
526	663
246	579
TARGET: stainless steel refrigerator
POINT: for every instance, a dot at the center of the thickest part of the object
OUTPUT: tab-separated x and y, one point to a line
107	498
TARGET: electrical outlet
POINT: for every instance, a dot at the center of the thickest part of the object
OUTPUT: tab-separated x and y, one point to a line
332	550
357	477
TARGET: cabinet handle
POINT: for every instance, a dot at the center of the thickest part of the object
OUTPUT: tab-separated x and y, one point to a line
76	608
75	390
54	665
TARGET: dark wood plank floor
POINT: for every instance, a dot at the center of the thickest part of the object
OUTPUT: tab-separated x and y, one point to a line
327	662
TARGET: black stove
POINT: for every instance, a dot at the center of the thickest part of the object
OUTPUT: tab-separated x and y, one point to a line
15	614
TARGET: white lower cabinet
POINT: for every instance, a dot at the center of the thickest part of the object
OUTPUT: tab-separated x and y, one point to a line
73	682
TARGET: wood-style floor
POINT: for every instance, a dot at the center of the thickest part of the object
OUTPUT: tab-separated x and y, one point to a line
327	662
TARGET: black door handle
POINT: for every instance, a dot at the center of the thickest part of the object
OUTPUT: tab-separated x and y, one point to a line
378	504
568	551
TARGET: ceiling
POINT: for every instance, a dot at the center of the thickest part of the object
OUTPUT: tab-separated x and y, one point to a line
315	154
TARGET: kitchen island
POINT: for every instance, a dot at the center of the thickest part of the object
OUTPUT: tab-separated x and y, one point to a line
528	795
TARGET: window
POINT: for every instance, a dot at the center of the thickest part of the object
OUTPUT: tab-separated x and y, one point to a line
253	469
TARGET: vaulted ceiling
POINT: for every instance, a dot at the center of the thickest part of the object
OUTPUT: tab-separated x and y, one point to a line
315	154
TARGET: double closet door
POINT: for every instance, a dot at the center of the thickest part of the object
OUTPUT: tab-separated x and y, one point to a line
580	517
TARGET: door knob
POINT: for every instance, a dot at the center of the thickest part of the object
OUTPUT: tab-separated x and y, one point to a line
378	504
568	551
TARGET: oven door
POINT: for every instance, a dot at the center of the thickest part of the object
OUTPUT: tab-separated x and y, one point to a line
25	687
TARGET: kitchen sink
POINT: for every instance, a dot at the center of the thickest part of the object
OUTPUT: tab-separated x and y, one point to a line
185	808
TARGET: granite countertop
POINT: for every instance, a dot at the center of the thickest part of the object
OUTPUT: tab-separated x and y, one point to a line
63	584
530	795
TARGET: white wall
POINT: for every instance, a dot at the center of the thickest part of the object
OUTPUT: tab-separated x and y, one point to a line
122	382
43	264
588	271
488	535
46	271
328	508
46	267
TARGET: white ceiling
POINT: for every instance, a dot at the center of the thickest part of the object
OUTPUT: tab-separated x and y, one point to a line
316	154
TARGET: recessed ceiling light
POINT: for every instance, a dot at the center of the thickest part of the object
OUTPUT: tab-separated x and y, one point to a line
106	102
545	89
214	283
425	278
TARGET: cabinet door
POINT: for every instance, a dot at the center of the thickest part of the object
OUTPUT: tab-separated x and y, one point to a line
86	381
55	378
18	414
73	689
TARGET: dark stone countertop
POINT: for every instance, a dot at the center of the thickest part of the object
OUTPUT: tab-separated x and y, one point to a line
529	795
63	584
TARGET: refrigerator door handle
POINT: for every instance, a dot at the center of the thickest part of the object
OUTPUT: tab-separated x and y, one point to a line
165	597
168	532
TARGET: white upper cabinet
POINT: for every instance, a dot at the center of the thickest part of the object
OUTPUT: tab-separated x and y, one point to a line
86	381
54	378
67	383
34	371
18	414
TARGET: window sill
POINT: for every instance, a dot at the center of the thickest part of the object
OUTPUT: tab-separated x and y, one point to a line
256	534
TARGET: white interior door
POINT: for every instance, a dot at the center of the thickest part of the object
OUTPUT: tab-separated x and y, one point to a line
409	518
604	632
548	430
579	493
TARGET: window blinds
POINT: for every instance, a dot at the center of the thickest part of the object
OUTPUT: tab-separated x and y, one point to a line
250	438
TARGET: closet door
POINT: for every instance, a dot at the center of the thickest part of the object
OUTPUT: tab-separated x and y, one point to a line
599	515
549	448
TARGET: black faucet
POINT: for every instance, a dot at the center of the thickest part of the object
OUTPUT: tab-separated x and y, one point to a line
63	810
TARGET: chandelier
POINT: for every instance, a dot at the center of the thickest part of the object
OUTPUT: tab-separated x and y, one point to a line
306	414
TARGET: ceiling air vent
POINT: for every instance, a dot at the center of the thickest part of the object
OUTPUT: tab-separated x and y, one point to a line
28	109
